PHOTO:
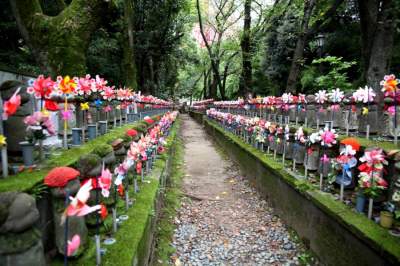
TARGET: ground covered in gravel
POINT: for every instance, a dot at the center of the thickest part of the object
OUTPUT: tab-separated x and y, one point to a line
222	220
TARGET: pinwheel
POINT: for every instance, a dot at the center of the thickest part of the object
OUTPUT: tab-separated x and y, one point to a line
390	87
348	161
321	96
78	206
105	182
66	86
84	85
3	141
73	245
10	107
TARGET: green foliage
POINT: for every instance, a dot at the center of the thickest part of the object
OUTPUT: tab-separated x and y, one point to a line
336	74
104	56
307	78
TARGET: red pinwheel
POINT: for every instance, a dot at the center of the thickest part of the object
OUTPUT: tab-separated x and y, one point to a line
11	106
41	87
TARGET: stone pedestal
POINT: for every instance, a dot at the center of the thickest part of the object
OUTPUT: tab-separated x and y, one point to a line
312	158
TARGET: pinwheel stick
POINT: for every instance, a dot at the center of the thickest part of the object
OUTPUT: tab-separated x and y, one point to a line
97	236
65	123
342	185
4	158
321	175
84	125
370	206
66	229
114	210
395	117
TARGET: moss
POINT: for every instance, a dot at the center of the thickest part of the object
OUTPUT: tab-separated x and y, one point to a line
26	180
372	234
173	193
102	149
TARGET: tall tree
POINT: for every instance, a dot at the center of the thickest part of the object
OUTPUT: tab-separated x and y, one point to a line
129	66
245	85
301	42
378	21
59	42
305	33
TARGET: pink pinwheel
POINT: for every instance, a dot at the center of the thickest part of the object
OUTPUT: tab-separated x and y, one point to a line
105	182
108	93
10	107
98	84
73	245
328	137
78	206
364	95
84	85
41	87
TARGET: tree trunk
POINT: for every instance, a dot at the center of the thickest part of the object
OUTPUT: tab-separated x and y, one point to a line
299	51
129	66
59	43
378	27
245	85
214	61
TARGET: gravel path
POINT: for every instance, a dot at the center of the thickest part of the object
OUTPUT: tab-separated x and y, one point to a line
222	220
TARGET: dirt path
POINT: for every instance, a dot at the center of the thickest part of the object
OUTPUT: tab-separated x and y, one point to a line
223	221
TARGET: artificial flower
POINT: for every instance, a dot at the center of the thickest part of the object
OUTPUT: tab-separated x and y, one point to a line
364	111
85	106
